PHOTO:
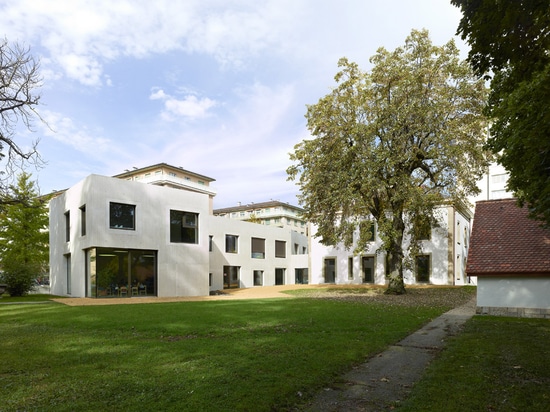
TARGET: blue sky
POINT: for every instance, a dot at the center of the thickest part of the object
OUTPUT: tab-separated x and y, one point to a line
218	87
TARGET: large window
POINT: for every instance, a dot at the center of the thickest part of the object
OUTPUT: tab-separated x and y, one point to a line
184	227
423	268
122	272
280	248
258	248
231	244
122	216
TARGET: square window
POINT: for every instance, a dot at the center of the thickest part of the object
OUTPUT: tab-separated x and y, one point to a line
122	216
184	227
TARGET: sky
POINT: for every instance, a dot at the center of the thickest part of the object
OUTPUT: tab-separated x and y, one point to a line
217	87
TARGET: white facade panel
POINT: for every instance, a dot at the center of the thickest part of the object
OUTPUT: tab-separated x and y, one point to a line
513	292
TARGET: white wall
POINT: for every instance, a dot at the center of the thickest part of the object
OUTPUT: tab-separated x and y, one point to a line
220	226
513	292
444	245
182	269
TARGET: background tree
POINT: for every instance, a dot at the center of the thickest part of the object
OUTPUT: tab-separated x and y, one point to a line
510	44
23	236
392	145
19	82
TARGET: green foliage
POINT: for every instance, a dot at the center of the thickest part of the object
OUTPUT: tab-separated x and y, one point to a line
23	236
392	145
510	40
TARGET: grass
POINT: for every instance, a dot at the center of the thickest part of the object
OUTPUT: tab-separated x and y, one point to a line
256	355
496	364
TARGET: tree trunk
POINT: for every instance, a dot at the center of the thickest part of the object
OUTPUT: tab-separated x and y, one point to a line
396	285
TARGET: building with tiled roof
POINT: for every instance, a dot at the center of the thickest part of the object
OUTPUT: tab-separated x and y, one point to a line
510	255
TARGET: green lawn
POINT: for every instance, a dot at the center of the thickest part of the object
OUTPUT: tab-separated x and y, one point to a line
255	355
496	364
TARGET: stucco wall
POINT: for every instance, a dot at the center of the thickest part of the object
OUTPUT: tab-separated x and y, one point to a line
221	226
182	268
513	293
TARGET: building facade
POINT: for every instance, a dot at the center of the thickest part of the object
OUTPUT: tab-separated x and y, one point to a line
442	260
153	232
272	213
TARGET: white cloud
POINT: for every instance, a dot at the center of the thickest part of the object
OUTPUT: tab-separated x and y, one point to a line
190	107
64	130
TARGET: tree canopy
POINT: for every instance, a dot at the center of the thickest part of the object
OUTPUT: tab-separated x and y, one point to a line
510	44
19	83
23	236
390	146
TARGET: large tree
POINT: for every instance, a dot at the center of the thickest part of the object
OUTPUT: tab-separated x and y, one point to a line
392	145
23	236
510	44
19	97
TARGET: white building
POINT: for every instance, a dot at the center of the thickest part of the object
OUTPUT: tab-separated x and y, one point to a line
442	260
120	237
152	231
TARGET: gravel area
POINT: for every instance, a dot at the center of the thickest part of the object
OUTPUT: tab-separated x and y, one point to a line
415	296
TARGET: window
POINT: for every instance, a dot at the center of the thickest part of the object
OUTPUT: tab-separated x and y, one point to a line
122	216
172	174
367	262
423	268
231	244
67	226
210	243
350	267
330	270
280	248
258	248
424	228
367	230
258	278
184	227
83	220
279	276
68	272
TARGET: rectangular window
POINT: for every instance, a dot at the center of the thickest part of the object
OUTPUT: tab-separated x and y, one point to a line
279	276
423	268
231	244
367	230
280	248
258	278
184	227
258	248
67	226
330	270
367	263
68	273
83	220
350	268
122	216
210	243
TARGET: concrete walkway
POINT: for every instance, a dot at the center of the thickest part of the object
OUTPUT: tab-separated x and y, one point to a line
388	378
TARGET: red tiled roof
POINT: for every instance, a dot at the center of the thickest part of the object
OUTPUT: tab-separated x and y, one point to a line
505	241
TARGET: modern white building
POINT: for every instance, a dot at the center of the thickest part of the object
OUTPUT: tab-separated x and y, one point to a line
116	237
